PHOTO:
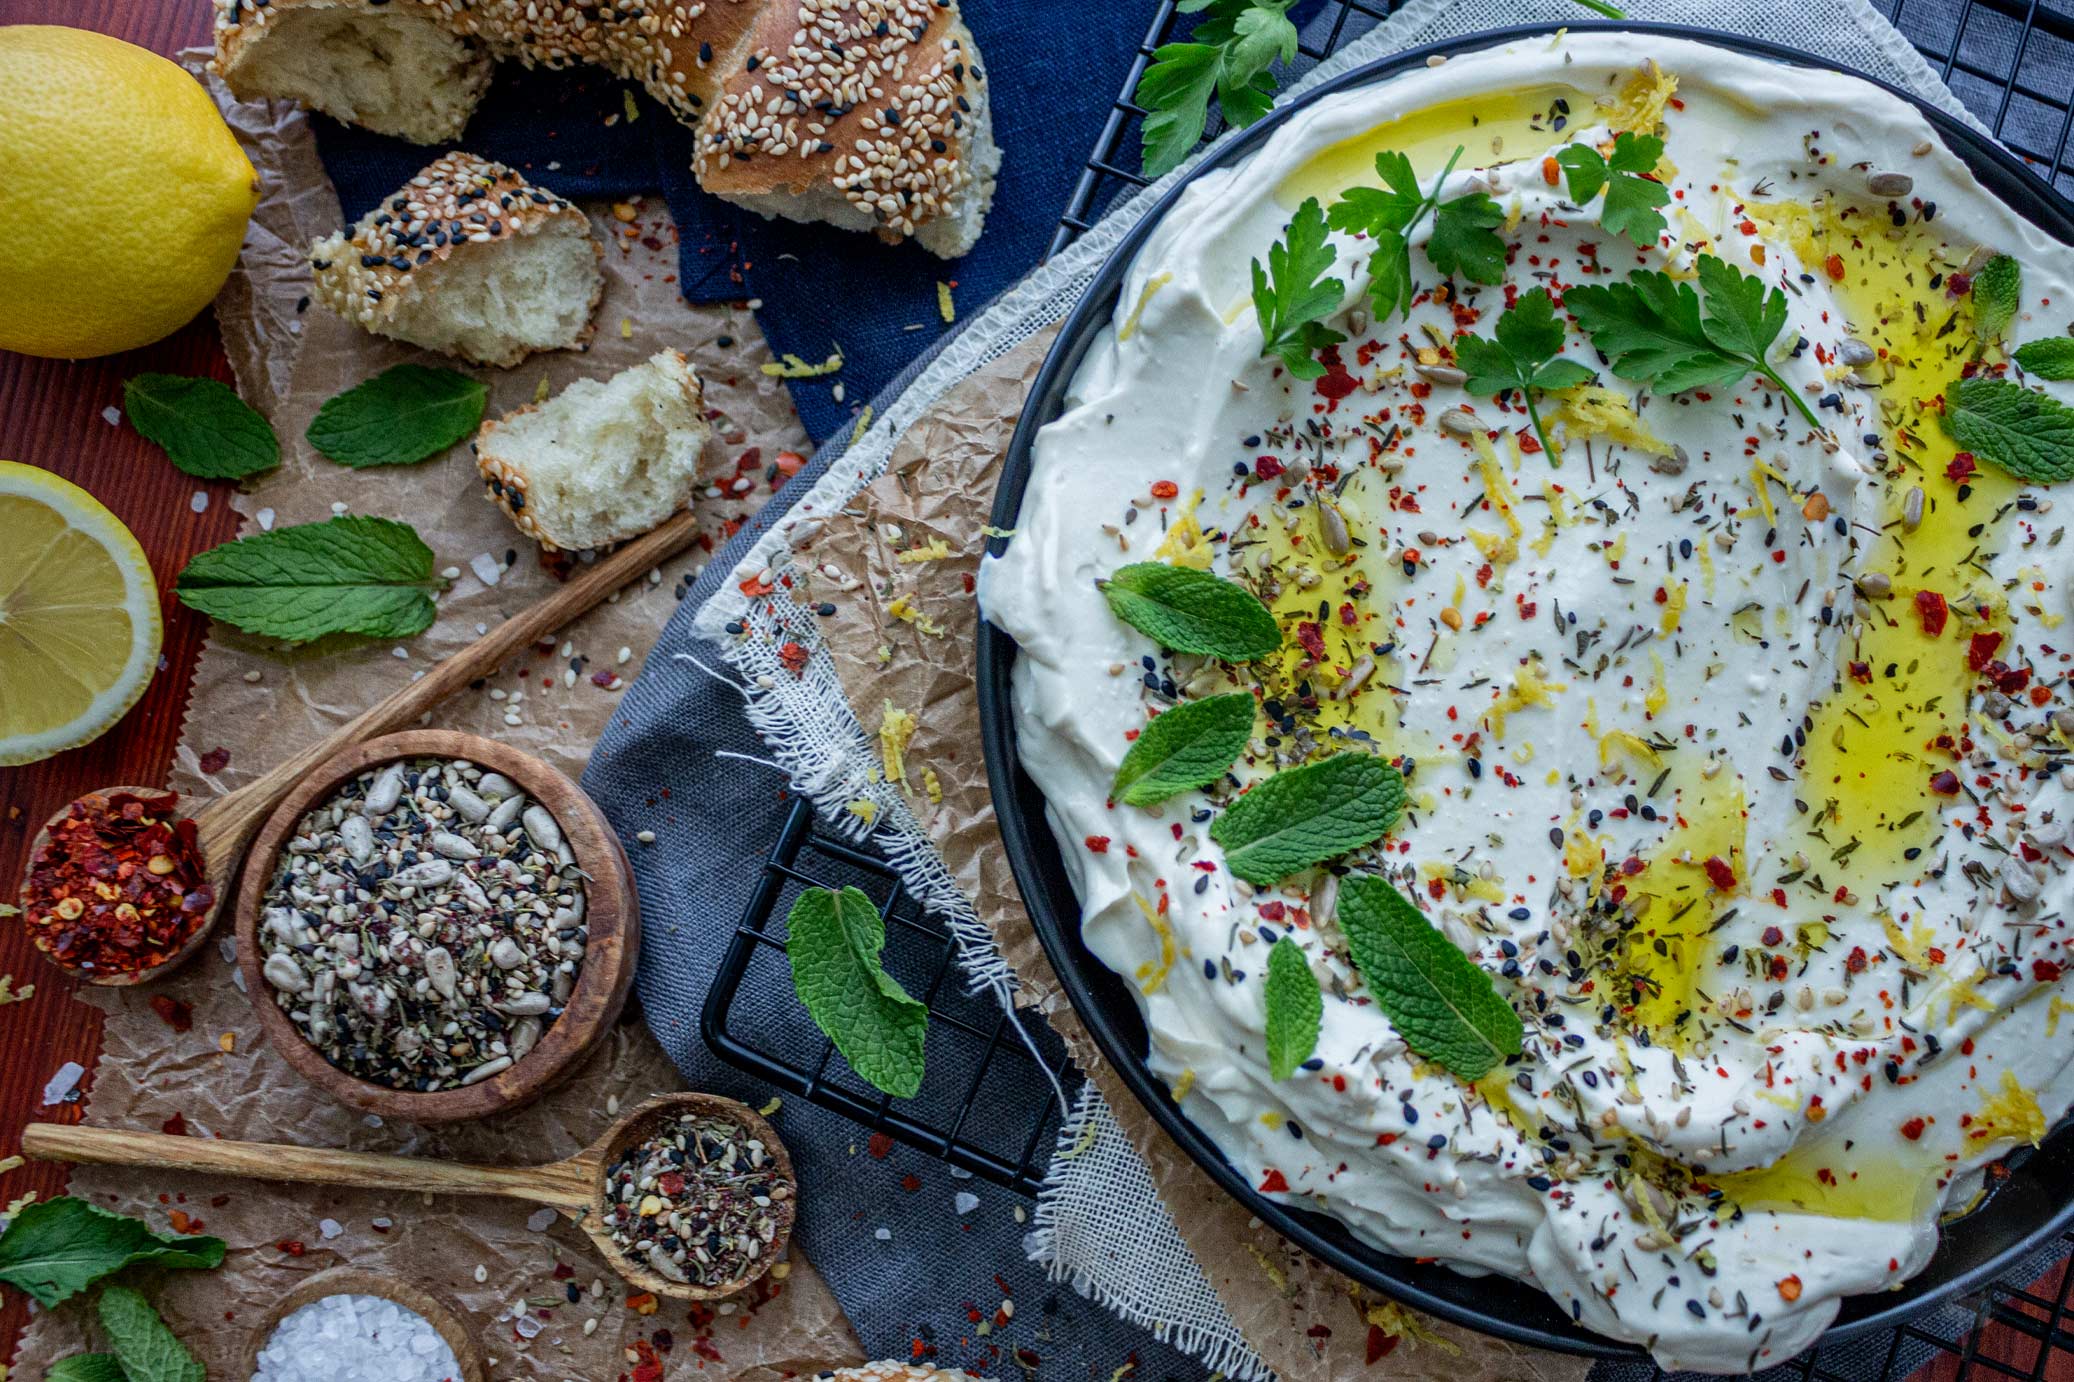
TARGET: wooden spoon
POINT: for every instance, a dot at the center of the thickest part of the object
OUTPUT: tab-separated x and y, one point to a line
225	827
574	1186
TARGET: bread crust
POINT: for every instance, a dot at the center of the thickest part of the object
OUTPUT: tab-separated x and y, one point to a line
395	251
873	99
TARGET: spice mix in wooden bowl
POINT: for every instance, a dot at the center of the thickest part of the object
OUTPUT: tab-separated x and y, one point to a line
426	915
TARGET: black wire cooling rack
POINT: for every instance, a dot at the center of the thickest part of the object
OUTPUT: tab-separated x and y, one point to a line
2012	63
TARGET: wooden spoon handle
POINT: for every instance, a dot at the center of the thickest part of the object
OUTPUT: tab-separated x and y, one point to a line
564	1185
226	826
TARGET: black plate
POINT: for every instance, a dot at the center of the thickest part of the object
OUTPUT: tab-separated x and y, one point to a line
2035	1203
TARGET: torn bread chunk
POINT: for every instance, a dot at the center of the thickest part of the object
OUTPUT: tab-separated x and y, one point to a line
602	461
393	68
469	259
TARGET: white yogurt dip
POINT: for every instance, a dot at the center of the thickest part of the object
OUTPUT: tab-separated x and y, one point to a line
1731	746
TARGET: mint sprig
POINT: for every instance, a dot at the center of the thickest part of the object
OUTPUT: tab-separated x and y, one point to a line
146	1349
1292	297
1306	815
400	417
54	1249
1997	293
834	940
1633	199
1440	1001
2051	358
1652	329
1192	611
1525	355
1295	1009
1228	57
351	574
1188	746
1464	238
202	425
2020	430
87	1367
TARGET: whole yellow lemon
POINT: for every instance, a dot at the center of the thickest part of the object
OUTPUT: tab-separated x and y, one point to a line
123	196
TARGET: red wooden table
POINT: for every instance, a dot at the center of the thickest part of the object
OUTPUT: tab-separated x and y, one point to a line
51	416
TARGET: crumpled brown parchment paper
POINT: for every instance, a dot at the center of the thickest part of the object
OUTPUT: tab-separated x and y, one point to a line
940	484
253	702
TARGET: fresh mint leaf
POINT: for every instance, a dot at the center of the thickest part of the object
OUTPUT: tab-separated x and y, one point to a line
1997	293
1463	240
2022	431
1189	746
351	574
1295	1009
1227	57
1440	1001
2051	358
399	417
1633	200
1652	329
1304	816
1525	356
202	425
54	1249
146	1349
1193	611
87	1367
834	940
1292	297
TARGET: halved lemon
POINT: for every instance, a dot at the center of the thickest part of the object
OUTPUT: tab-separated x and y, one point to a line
79	621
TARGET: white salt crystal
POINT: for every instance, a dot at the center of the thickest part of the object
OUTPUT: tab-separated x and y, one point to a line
401	654
112	415
541	1220
452	573
966	1201
265	519
330	1228
372	1120
227	947
63	1083
353	1338
200	501
338	507
487	568
884	1235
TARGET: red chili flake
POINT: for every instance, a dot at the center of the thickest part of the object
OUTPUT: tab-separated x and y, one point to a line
1913	1129
174	1013
1861	671
910	1182
563	1271
1266	467
789	463
1164	489
880	1145
755	586
1945	784
1857	960
1098	844
1773	936
1931	609
117	885
647	1367
1980	650
2045	971
182	1223
1721	873
1961	468
1834	267
1958	285
1789	1288
214	761
1380	1344
176	1126
1273	1181
602	678
293	1247
794	657
671	1183
1312	639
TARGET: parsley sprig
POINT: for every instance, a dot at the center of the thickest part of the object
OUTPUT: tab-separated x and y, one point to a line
1526	355
1464	239
1633	200
1652	329
1291	296
1228	56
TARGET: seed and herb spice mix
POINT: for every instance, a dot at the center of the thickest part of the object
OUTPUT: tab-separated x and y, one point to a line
698	1200
426	925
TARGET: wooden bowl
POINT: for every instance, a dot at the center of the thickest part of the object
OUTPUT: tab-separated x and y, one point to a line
120	978
612	912
632	1127
438	1311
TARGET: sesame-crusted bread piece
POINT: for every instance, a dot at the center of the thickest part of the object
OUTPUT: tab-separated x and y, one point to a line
602	461
470	259
867	114
391	67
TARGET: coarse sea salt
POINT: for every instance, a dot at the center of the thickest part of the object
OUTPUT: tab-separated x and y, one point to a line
355	1338
63	1083
487	568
